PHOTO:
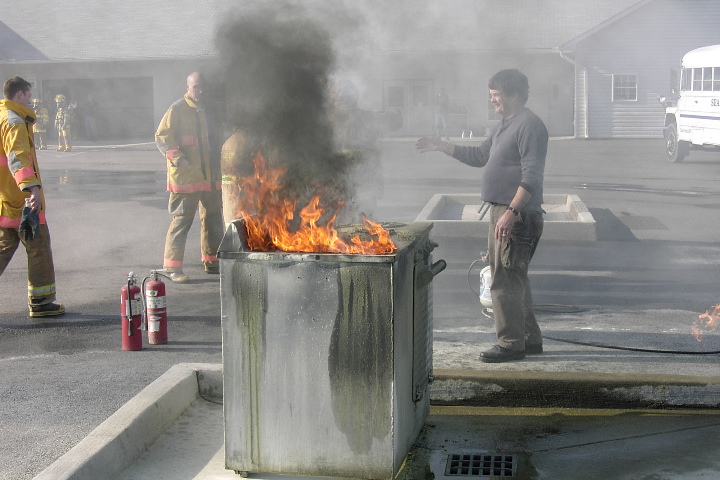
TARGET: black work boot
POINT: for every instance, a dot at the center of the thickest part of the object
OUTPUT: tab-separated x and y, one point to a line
46	310
498	354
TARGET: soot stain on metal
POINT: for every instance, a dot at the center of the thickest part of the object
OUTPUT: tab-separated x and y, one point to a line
250	293
360	355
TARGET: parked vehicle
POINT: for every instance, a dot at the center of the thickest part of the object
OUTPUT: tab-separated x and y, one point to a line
693	121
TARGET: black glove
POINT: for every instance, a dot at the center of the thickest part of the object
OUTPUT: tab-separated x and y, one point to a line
29	224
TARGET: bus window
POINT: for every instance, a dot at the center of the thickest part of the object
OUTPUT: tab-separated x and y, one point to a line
716	79
707	79
685	79
697	79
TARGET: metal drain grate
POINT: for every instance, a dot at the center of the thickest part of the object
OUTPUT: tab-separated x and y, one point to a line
481	465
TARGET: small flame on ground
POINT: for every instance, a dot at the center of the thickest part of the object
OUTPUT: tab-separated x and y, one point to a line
706	323
267	216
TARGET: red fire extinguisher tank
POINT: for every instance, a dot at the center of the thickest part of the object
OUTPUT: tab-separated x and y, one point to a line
156	310
131	313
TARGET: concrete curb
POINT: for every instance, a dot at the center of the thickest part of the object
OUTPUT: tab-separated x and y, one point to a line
573	390
458	215
120	440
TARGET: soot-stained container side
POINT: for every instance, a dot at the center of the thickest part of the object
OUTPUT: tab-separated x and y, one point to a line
327	358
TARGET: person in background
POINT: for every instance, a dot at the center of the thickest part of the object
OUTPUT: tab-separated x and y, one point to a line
356	134
442	107
22	203
42	118
63	122
193	178
512	182
91	111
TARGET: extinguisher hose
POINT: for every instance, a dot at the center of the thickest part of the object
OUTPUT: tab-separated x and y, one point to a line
468	276
129	311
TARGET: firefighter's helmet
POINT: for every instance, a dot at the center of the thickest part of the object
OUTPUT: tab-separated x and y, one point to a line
60	98
36	102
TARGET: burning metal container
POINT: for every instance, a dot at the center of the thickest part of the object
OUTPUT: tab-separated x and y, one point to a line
327	358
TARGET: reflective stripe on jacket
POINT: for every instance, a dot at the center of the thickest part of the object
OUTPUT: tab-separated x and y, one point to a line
183	133
18	162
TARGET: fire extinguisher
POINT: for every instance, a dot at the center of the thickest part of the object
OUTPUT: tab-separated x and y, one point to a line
155	308
131	313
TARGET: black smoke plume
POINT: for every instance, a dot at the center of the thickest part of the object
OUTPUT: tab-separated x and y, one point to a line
276	64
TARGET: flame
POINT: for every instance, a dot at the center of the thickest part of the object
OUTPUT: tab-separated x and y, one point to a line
707	322
268	215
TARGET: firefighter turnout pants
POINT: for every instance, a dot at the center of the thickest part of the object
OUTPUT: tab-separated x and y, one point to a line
41	271
182	206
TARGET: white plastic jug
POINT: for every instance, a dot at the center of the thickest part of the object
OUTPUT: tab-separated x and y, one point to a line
485	284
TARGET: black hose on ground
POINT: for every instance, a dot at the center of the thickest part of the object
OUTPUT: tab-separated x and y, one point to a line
573	309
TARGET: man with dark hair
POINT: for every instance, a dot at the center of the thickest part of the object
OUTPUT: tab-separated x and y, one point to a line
193	178
512	183
22	204
511	82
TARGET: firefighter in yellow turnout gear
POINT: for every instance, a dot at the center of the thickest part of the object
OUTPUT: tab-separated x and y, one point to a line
193	178
63	121
42	118
20	186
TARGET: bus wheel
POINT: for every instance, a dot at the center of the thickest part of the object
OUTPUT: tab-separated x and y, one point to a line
675	150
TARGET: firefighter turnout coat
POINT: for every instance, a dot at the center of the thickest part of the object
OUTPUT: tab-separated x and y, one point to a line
18	162
183	133
42	119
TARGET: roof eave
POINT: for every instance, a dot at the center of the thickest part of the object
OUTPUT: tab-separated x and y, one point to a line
571	45
54	61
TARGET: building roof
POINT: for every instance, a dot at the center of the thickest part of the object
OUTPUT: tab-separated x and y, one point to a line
80	30
13	46
494	24
571	44
72	30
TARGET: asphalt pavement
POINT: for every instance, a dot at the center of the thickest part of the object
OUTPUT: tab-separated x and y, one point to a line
623	305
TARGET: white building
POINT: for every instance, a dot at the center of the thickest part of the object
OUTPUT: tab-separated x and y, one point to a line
624	64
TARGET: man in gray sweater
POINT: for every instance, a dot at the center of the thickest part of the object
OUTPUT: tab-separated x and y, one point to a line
512	183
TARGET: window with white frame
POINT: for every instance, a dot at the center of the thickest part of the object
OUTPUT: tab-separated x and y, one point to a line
703	79
624	88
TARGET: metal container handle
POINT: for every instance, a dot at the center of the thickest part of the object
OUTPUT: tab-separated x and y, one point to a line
438	267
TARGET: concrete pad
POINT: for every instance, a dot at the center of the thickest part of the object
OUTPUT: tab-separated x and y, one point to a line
458	215
174	427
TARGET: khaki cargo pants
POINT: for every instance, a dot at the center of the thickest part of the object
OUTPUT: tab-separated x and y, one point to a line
512	303
182	206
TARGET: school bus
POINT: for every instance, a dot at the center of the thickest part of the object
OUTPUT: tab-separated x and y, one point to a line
693	121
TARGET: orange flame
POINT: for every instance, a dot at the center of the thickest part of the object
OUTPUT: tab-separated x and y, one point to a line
267	216
707	322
